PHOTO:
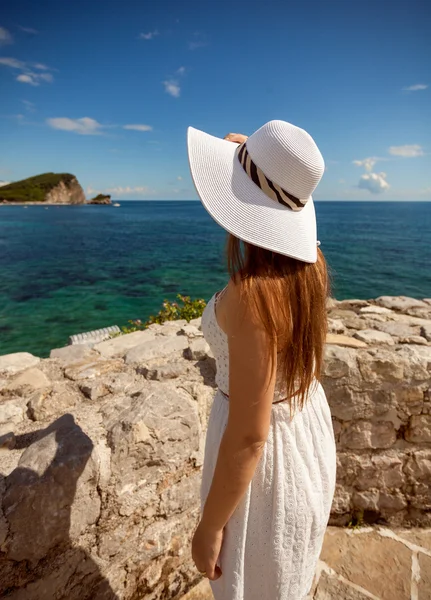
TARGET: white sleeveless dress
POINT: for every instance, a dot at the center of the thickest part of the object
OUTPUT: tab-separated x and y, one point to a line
273	540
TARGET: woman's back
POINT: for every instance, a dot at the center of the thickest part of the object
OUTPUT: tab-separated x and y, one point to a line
273	540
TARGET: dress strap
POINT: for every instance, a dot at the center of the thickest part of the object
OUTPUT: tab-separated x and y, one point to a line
219	295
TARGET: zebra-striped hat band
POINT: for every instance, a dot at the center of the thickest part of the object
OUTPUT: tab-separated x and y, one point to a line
271	189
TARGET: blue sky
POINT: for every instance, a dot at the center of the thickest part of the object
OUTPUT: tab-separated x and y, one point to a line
106	90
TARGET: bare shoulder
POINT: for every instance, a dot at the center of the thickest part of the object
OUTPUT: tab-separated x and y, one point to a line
238	314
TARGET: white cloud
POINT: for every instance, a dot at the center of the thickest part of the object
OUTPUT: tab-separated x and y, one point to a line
138	127
375	183
2	183
172	87
41	67
415	88
90	191
83	126
34	78
407	151
149	36
27	78
181	71
124	191
179	178
46	77
5	37
29	30
29	105
367	163
14	63
27	75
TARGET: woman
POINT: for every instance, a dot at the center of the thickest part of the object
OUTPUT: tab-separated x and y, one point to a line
269	468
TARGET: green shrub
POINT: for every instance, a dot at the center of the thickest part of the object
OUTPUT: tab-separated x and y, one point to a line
187	309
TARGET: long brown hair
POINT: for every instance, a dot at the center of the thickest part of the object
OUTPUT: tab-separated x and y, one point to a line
288	297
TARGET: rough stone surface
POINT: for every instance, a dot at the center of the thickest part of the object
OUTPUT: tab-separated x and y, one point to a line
344	340
159	348
426	332
101	458
31	379
375	310
400	303
197	350
359	558
74	353
371	336
118	346
14	363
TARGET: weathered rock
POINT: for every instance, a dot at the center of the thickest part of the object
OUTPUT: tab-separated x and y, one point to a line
159	348
359	557
393	502
344	340
73	353
419	430
336	326
167	371
331	587
12	412
120	345
41	490
363	434
426	332
397	329
341	502
401	303
14	363
381	365
191	331
90	369
339	362
29	380
198	350
352	304
46	403
371	336
375	310
367	500
94	390
196	322
414	340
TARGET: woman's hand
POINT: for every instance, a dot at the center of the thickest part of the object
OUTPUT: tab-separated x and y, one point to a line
206	546
238	138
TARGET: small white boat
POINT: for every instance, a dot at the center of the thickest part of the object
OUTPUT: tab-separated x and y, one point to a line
116	204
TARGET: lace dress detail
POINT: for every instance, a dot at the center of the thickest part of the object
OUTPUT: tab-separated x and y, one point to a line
273	540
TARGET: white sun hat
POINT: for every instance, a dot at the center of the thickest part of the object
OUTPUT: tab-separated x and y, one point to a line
260	191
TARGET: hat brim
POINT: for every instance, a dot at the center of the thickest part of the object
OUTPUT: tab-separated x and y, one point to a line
238	205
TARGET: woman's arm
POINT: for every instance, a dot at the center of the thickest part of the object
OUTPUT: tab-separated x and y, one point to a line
251	390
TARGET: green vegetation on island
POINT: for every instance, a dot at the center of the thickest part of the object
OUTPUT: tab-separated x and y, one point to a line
34	189
100	199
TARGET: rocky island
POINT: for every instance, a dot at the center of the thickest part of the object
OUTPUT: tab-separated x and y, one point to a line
48	188
101	199
102	445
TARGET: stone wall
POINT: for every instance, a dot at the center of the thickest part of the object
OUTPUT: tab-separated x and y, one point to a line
101	449
378	384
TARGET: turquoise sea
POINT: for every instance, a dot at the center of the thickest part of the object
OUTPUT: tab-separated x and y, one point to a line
69	269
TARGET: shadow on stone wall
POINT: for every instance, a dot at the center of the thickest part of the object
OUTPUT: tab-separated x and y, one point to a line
38	560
